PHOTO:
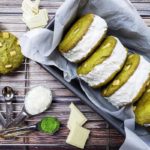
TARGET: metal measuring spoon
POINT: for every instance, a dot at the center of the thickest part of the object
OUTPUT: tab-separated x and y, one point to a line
8	95
15	131
2	120
25	114
22	116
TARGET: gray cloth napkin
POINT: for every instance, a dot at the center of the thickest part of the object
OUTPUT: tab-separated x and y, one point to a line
125	23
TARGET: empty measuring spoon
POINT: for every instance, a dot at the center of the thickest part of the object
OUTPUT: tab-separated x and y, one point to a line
48	125
37	100
8	95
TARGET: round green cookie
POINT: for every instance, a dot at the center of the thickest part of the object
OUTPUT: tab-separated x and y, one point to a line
76	32
129	68
10	53
100	55
142	111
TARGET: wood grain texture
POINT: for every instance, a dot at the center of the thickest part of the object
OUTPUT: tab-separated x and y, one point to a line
103	136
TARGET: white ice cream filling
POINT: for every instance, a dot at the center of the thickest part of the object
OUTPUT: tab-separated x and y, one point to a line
89	40
132	87
102	72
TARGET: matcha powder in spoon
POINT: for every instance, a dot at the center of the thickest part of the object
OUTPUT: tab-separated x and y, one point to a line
49	125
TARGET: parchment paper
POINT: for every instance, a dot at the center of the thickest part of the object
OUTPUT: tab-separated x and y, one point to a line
125	23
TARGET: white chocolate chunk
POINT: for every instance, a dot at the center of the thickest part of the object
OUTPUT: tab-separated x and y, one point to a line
76	117
26	16
18	43
148	91
127	67
32	15
116	82
38	20
5	35
1	44
8	66
31	7
78	136
37	2
148	83
27	13
44	12
13	53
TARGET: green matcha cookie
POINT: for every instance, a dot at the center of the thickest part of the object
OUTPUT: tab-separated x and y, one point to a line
129	68
76	32
10	53
142	111
100	55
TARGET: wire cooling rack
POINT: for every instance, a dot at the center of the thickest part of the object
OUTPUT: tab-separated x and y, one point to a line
29	75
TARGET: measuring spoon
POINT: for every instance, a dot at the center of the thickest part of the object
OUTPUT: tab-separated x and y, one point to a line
52	127
25	113
8	95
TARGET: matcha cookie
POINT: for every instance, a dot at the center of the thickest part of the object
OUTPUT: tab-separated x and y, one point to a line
142	111
83	37
130	66
10	53
104	64
133	88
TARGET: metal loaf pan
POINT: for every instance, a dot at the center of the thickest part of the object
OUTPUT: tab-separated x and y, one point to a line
74	87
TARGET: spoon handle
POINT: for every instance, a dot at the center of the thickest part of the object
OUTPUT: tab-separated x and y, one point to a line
2	120
20	118
15	131
9	112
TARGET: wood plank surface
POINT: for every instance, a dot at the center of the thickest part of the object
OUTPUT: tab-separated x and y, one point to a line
103	136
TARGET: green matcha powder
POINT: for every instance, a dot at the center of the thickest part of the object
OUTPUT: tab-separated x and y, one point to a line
49	125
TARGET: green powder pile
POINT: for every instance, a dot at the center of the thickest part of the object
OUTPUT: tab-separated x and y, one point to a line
49	125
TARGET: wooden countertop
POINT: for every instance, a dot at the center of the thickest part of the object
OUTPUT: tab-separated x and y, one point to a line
103	136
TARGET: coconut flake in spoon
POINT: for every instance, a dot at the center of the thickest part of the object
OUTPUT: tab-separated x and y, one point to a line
37	100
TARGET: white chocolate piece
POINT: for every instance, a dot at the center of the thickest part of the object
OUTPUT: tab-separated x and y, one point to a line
13	53
1	44
8	66
78	136
32	15
5	35
38	20
29	6
76	117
